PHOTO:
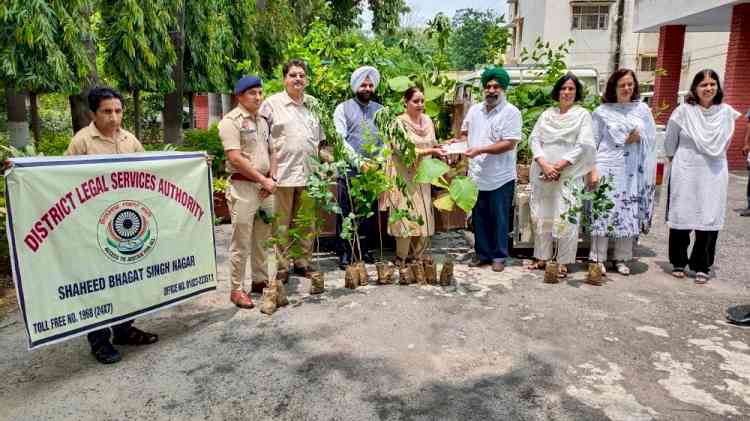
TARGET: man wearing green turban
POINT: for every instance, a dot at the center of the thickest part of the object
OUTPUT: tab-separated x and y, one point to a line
492	128
498	74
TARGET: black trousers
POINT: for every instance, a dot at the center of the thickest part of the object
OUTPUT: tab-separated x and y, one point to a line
701	257
367	227
97	337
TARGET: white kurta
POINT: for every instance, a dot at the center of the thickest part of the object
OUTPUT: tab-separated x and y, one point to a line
698	174
559	137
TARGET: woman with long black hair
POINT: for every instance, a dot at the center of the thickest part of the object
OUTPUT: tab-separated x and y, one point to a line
697	138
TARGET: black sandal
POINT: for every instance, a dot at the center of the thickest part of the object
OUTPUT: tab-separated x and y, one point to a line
135	336
105	353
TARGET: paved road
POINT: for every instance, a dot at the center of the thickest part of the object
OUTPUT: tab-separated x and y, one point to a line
495	347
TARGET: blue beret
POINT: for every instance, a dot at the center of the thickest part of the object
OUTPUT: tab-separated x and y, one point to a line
245	83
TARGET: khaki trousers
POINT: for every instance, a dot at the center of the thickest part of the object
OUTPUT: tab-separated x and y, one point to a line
410	247
288	201
249	232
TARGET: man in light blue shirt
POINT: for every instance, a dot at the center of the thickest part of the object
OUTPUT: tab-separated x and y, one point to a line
493	127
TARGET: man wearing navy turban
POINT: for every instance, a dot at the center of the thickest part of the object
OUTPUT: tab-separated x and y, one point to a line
492	128
355	123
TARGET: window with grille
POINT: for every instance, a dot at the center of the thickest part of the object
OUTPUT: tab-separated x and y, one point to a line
591	17
648	63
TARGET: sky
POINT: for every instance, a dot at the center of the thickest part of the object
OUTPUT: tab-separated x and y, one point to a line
423	10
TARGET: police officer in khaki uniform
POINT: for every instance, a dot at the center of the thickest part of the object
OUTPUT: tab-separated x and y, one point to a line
251	163
105	135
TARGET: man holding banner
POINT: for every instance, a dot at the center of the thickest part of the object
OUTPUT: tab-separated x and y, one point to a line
105	135
251	163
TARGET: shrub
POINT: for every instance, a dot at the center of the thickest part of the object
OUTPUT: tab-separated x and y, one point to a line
206	140
53	144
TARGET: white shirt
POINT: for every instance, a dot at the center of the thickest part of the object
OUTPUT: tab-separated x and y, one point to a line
503	122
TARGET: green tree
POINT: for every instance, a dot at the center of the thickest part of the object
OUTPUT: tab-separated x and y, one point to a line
172	115
42	49
276	27
439	30
209	46
386	14
478	38
137	54
243	21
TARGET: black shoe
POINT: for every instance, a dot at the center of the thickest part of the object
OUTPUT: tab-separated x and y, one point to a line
369	258
745	212
105	353
344	261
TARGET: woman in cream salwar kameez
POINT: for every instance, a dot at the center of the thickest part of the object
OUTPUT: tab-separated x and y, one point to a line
411	237
563	148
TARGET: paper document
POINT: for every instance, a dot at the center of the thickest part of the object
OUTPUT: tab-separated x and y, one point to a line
453	148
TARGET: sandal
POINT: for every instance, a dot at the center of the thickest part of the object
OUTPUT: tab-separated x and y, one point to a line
562	272
678	273
135	336
537	265
701	278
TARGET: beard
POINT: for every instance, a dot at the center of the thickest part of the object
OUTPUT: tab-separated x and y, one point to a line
492	100
364	97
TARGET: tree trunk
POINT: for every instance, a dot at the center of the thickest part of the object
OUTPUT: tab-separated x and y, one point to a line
226	103
214	109
191	110
172	115
79	104
137	114
18	125
36	122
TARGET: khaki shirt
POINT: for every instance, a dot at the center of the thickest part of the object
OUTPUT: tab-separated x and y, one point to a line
238	130
296	134
90	141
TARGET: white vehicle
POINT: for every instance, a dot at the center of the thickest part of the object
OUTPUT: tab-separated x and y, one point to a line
647	96
525	74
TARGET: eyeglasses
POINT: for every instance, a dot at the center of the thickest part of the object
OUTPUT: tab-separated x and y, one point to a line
296	75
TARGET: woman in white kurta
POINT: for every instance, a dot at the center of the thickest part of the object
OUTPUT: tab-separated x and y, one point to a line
698	135
563	147
625	136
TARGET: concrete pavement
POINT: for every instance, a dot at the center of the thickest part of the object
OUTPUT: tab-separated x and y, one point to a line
494	347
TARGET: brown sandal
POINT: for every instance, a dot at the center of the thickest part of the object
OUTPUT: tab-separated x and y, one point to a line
562	271
678	273
537	265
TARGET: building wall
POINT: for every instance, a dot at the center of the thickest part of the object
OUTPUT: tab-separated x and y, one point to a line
533	13
654	12
553	19
703	50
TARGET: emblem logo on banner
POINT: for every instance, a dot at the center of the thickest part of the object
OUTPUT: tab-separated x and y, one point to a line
127	231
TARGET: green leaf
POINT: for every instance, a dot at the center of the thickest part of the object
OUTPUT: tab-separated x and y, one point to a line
400	83
465	192
431	93
431	109
430	169
444	202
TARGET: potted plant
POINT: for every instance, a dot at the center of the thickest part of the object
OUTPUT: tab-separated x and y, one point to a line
585	206
221	207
